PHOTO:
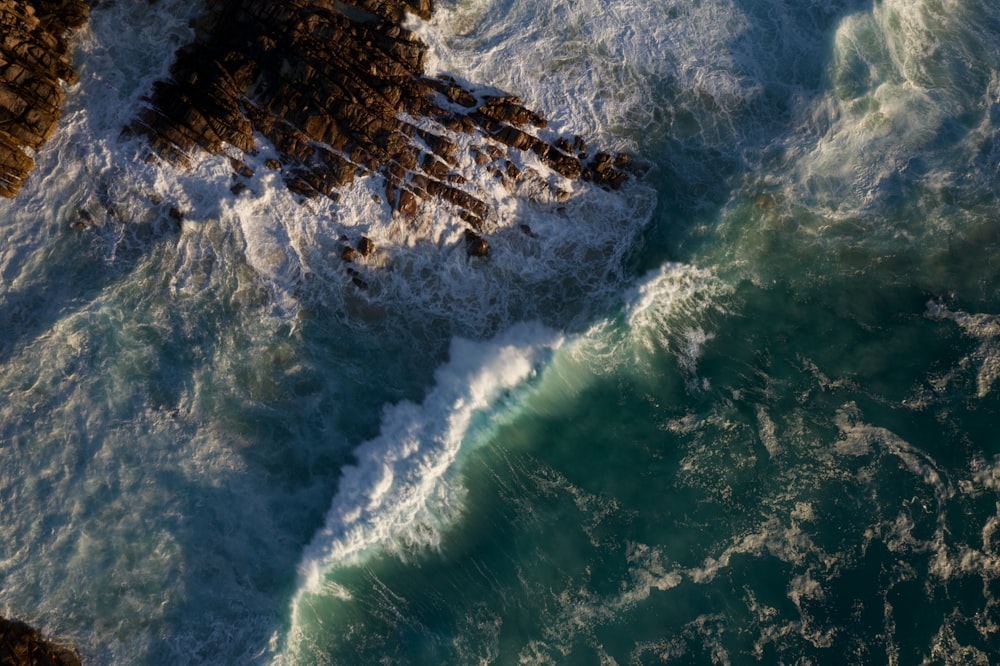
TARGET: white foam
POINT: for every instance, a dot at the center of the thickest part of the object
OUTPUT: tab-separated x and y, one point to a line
669	312
594	66
982	327
903	74
404	486
573	256
130	493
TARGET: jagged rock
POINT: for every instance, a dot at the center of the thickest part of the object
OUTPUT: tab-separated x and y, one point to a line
476	245
606	170
407	202
21	645
509	110
366	247
333	86
34	59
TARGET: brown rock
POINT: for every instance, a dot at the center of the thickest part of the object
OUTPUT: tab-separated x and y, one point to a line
407	202
34	59
334	86
366	247
476	245
20	645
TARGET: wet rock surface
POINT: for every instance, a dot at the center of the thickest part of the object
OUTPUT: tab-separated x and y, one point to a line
34	61
338	88
21	645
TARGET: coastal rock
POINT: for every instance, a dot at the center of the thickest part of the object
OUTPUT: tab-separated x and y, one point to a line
21	645
34	60
366	247
339	91
476	245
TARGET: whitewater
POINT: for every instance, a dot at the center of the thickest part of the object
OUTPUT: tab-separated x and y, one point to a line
742	410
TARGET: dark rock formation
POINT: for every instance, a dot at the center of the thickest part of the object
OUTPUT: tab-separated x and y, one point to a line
20	645
366	247
34	58
338	88
475	244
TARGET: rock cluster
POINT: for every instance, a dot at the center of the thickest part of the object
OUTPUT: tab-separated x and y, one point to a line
338	88
21	645
34	58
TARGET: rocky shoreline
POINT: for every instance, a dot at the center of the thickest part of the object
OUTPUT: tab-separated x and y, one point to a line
34	61
338	89
333	90
21	645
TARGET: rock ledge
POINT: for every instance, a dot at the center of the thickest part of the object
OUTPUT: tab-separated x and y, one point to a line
338	88
21	645
34	59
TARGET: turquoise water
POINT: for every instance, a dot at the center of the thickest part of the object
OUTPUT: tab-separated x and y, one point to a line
742	411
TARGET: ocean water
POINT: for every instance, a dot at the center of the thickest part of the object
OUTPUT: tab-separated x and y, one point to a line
742	411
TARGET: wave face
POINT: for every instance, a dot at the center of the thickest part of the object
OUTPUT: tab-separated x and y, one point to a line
741	409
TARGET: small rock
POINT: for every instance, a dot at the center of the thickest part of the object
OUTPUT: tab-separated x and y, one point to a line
366	247
240	168
476	245
407	202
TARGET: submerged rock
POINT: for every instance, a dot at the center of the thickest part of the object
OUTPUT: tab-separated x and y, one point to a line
21	645
34	60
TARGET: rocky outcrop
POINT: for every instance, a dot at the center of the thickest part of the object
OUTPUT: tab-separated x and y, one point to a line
338	88
21	645
34	60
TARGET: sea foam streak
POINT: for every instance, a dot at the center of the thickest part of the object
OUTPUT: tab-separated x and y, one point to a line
405	478
404	487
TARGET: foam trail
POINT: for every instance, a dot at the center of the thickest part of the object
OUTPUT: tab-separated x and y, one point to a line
403	491
404	477
597	65
986	329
